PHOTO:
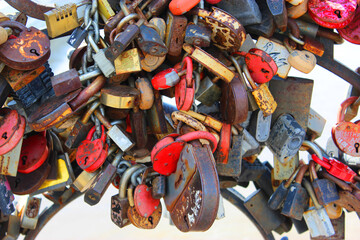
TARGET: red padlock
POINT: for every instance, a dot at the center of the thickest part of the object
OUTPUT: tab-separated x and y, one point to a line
166	152
12	128
261	65
91	154
346	135
351	32
332	13
185	89
336	168
144	202
213	1
34	152
179	7
165	79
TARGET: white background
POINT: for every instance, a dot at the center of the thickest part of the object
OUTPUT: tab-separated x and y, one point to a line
81	221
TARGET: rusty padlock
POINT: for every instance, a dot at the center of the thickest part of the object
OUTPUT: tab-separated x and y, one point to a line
29	50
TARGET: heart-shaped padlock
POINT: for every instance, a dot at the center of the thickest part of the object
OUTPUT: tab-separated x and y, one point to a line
166	152
332	13
145	204
304	61
346	135
91	154
34	152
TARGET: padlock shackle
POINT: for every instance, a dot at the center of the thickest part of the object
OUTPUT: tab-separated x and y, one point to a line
199	135
88	113
312	146
136	174
102	119
130	195
188	65
125	179
90	133
124	21
248	77
343	106
301	173
324	162
13	24
311	193
312	170
293	176
187	119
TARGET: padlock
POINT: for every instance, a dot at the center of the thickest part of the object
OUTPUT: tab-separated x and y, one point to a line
303	61
27	183
249	146
79	35
309	44
18	54
128	62
316	217
166	152
116	134
207	120
262	94
13	230
224	145
34	153
61	20
250	13
211	63
345	134
119	202
295	101
138	130
283	171
266	27
148	222
145	204
81	128
119	96
149	62
339	228
105	10
261	66
58	109
102	181
30	213
278	52
208	92
334	211
286	137
7	198
12	129
297	197
351	31
180	7
146	93
279	13
200	202
324	189
91	154
278	197
256	204
260	126
197	35
170	77
65	176
158	187
332	14
105	65
160	24
156	116
315	126
175	33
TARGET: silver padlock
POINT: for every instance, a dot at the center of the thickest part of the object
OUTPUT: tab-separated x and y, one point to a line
30	214
249	145
286	137
260	126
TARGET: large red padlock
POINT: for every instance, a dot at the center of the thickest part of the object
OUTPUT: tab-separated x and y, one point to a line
332	13
346	135
12	128
34	152
336	168
166	152
351	32
185	89
179	7
261	65
165	79
91	154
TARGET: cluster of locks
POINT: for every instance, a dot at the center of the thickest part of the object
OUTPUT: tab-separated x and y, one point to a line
226	63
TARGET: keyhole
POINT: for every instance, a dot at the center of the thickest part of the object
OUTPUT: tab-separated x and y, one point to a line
85	160
150	219
17	181
23	159
4	136
338	13
357	145
34	52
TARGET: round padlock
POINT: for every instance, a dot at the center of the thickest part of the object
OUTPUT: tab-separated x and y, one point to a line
351	32
34	152
332	13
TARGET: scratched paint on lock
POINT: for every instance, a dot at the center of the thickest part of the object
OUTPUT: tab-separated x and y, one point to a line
278	52
347	137
195	208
